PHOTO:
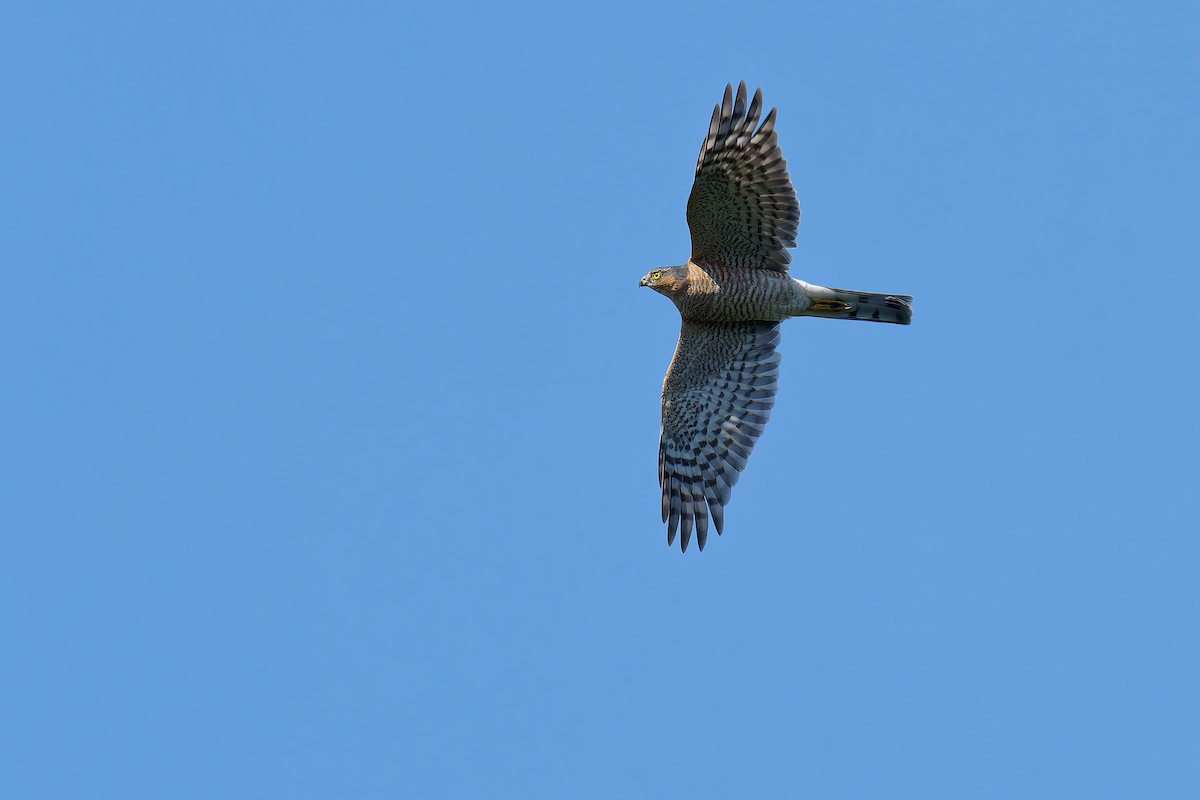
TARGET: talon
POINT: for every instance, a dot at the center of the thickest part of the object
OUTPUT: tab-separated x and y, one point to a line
821	304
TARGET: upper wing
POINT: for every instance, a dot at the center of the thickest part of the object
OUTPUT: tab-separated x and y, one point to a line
717	396
742	210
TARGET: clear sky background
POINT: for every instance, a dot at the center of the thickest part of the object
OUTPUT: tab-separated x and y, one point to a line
330	405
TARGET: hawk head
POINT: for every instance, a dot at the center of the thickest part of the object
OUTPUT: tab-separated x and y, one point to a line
666	280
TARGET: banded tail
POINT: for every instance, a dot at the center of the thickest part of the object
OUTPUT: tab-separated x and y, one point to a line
844	304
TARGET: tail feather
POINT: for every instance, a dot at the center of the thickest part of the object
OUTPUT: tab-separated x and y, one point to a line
869	306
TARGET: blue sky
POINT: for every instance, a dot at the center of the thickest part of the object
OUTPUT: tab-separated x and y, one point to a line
327	453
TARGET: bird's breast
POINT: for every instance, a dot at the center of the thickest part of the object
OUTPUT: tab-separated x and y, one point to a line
722	294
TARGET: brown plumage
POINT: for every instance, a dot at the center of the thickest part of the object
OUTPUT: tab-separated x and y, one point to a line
732	294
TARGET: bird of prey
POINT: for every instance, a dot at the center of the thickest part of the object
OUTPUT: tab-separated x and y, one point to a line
732	294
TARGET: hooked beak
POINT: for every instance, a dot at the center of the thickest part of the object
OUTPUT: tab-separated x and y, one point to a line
642	282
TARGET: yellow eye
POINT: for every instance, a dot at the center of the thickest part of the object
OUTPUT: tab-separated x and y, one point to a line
656	274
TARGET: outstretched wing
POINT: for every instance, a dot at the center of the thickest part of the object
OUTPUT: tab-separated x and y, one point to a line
716	399
742	210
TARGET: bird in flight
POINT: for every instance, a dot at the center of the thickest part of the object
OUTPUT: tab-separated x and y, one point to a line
732	294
